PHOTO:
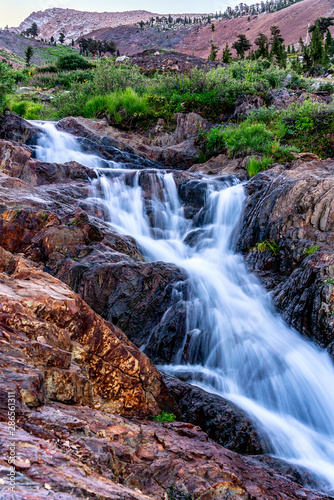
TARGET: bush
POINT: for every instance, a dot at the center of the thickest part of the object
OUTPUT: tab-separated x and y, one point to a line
255	165
72	61
6	85
29	110
266	246
311	249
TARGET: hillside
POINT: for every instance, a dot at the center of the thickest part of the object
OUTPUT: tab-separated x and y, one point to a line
75	23
293	22
13	46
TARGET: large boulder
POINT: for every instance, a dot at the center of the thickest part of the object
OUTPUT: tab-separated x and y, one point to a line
73	355
293	206
15	128
222	420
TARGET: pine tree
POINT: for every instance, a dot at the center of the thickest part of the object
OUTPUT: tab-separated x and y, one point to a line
316	47
61	38
262	42
329	44
29	52
227	55
241	45
213	52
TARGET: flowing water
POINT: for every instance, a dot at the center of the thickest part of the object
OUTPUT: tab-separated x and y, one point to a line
239	347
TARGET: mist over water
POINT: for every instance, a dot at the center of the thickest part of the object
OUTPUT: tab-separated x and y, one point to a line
237	345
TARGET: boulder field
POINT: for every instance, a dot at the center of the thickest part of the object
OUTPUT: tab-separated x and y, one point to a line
77	299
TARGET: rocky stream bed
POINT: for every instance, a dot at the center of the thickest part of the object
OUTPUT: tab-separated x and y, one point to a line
85	311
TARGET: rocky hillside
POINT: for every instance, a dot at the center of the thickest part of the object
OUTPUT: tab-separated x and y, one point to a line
293	22
75	23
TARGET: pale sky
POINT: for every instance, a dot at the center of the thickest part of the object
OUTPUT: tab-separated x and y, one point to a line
12	12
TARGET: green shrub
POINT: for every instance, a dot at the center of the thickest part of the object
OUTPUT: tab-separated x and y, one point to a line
29	110
254	165
164	417
71	62
6	85
311	249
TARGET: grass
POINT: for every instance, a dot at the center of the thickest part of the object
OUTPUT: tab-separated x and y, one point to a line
254	165
164	417
311	249
266	246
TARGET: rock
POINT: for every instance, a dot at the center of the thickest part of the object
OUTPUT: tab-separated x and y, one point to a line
223	165
120	146
15	128
85	360
122	59
281	99
294	207
222	420
80	452
287	79
245	103
16	161
188	125
305	156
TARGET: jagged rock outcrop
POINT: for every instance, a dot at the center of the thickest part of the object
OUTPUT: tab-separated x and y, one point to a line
67	451
177	150
293	206
73	355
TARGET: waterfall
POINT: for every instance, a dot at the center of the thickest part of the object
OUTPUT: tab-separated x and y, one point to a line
237	345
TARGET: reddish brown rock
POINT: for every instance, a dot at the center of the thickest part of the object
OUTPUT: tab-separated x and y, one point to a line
88	454
223	165
79	358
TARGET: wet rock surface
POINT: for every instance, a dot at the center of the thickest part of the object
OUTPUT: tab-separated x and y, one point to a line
223	421
294	207
156	150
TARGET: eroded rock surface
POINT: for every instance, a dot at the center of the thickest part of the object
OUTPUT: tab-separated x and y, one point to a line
75	356
294	207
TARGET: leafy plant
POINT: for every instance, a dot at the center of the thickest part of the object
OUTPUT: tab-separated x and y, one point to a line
72	61
254	165
164	417
311	249
266	246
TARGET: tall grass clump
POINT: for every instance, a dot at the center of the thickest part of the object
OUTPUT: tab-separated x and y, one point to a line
256	165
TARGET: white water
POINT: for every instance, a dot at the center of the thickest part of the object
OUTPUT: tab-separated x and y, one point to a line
239	348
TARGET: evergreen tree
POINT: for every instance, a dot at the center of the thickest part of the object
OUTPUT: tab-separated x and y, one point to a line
316	47
61	38
52	39
262	42
33	30
227	55
329	44
241	45
213	52
29	52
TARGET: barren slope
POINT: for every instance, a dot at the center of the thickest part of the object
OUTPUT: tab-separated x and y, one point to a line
293	22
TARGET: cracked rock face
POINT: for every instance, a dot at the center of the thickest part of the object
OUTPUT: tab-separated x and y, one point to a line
294	207
73	355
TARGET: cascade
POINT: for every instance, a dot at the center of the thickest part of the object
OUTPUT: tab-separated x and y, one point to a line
239	346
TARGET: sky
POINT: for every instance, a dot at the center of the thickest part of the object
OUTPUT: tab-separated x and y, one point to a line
12	12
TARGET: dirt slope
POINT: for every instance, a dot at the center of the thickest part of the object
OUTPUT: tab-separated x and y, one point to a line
195	40
293	22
